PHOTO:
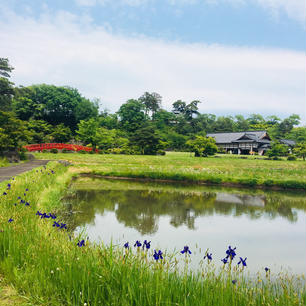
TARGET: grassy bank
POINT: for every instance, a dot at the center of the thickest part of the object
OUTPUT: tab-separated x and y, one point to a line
45	263
183	166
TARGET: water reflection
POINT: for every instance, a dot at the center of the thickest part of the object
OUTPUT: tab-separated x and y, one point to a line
141	209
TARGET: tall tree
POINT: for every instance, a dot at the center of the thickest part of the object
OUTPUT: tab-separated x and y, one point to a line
6	87
131	115
152	102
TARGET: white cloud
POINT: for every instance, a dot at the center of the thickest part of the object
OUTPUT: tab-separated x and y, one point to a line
68	50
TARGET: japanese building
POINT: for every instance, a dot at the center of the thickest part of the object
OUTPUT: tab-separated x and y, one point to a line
243	142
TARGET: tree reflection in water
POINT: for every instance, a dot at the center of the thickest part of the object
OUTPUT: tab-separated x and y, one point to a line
141	209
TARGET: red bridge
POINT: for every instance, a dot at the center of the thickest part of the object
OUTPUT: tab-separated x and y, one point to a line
59	146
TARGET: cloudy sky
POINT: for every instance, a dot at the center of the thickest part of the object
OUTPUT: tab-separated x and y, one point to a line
236	56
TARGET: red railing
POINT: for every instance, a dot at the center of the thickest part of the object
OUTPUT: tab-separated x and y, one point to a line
59	146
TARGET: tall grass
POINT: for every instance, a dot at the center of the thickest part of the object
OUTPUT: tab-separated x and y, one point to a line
46	264
184	167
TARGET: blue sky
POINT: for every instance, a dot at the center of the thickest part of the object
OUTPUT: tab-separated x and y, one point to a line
238	56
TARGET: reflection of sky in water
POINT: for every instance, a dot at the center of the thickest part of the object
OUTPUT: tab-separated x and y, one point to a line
274	242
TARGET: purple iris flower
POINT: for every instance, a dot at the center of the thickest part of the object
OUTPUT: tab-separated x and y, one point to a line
146	244
186	250
158	255
208	256
234	281
63	225
27	204
224	260
242	261
267	269
137	244
55	224
4	193
230	253
10	220
81	243
126	245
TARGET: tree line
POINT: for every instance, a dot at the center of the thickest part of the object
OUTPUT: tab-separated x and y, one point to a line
47	113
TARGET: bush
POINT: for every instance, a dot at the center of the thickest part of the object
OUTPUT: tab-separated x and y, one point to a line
291	157
22	155
66	151
54	151
82	152
91	152
161	152
45	151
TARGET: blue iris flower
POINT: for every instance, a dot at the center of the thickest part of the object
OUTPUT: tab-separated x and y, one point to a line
4	193
267	269
27	189
224	260
81	243
8	186
126	245
137	244
27	204
146	244
234	281
63	225
242	261
158	255
230	253
186	250
208	256
55	224
10	220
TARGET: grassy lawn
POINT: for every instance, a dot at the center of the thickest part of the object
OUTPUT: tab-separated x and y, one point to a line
252	171
45	263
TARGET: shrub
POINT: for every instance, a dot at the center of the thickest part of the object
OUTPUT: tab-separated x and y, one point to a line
22	155
54	151
45	151
291	157
82	151
66	151
91	152
161	152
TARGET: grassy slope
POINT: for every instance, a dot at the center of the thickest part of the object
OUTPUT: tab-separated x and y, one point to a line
45	264
183	166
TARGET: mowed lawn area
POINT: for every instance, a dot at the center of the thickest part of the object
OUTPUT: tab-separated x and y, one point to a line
230	169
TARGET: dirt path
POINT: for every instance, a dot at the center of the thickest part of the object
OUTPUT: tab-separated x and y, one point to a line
8	172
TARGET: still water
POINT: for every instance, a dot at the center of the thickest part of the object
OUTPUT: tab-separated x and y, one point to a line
268	228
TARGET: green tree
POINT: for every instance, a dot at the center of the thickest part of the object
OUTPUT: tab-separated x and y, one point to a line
277	149
12	132
287	124
300	150
39	131
152	102
297	134
146	139
241	124
203	146
179	107
132	115
61	133
88	132
54	104
6	87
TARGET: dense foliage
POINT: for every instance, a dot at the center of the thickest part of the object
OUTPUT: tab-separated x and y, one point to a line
48	113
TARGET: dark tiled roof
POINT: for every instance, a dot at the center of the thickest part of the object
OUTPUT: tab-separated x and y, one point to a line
234	137
288	142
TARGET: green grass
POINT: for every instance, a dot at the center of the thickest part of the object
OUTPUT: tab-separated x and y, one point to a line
4	162
47	266
226	169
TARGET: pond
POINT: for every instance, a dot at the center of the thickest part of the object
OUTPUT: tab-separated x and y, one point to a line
267	227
